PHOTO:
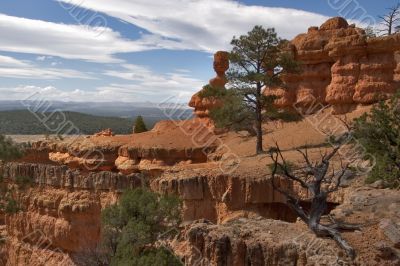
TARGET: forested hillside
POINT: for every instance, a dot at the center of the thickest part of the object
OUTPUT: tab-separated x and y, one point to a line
24	122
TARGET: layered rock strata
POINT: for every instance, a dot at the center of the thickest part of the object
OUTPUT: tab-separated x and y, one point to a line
61	210
256	242
340	67
168	143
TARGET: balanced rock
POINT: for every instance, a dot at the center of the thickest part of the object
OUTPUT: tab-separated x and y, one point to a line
201	104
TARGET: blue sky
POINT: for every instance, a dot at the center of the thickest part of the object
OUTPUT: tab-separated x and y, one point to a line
139	50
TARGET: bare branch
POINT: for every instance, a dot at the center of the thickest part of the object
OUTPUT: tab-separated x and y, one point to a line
286	172
317	177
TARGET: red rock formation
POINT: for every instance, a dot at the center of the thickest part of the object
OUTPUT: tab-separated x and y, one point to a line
255	242
105	133
341	67
221	65
168	143
61	214
202	105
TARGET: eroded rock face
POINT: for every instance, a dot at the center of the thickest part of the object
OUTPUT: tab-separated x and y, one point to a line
341	67
63	177
255	242
168	143
218	197
203	105
61	212
77	152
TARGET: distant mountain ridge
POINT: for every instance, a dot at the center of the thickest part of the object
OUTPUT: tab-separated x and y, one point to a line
118	109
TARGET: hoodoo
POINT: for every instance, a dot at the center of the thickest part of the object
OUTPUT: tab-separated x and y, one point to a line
341	67
203	105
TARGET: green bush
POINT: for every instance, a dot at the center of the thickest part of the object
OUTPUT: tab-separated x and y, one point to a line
8	149
210	91
379	133
8	204
132	227
11	206
23	181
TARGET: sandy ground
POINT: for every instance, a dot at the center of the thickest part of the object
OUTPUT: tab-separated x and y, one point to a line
26	138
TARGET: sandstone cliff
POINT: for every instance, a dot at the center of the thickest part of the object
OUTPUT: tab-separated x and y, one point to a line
341	67
60	214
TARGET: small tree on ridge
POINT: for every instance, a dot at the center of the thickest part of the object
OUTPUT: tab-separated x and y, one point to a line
390	21
258	62
140	126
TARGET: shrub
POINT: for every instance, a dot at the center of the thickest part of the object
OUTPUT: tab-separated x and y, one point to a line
23	181
11	206
8	204
132	227
379	133
210	91
8	149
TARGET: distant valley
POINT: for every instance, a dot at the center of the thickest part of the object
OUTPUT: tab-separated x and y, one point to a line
88	117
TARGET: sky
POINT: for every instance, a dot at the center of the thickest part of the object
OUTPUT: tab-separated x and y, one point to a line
140	50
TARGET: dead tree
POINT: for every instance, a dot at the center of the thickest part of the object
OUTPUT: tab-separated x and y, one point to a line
390	20
320	181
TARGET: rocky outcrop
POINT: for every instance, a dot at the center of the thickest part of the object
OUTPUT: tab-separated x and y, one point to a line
69	220
340	67
217	197
378	211
256	242
64	178
105	133
203	104
78	152
169	143
61	211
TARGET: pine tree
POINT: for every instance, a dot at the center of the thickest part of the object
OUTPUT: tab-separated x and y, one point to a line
379	133
258	61
134	230
140	126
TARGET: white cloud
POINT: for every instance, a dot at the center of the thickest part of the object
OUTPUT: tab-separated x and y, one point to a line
41	58
145	83
11	62
14	68
70	41
41	73
48	93
206	25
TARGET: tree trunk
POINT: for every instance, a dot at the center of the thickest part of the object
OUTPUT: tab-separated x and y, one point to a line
258	124
313	223
259	146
